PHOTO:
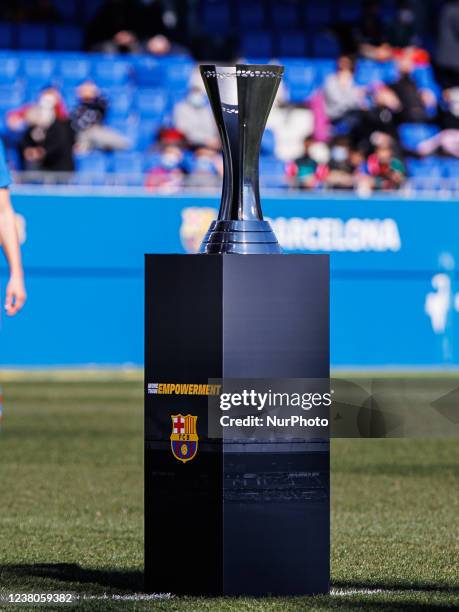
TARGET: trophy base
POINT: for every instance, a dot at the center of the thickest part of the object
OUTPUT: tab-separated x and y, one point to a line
241	238
233	519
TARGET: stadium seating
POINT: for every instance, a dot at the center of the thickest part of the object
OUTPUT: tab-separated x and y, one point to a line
33	36
412	134
142	90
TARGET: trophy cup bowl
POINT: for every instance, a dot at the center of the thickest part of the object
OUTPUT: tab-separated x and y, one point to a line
241	98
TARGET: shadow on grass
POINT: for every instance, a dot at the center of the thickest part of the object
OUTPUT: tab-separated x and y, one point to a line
72	572
132	581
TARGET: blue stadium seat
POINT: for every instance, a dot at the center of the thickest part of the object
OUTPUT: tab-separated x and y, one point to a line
94	163
33	36
67	38
7	35
73	69
325	45
13	158
69	10
38	69
151	103
11	96
178	72
388	9
450	167
369	71
324	68
302	72
9	67
428	168
148	72
425	79
70	97
292	44
350	11
110	72
272	172
317	12
152	160
90	8
215	16
267	143
412	134
284	14
251	14
301	92
120	100
256	44
147	133
128	162
389	71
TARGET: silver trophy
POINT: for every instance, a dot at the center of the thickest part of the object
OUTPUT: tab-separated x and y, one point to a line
241	98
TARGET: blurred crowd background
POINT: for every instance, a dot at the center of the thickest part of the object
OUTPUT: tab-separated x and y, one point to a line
107	92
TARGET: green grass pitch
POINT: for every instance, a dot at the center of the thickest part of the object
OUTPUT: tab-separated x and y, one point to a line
71	506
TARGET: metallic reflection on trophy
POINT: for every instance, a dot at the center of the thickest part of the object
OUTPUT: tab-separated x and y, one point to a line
241	98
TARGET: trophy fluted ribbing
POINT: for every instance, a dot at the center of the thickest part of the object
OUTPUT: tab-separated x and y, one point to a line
241	98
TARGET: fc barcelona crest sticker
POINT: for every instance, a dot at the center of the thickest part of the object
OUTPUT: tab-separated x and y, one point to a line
184	438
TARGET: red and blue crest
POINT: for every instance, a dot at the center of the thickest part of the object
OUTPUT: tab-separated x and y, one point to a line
184	437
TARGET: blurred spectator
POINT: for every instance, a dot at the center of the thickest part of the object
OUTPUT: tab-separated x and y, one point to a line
310	170
207	168
193	118
290	125
381	117
447	52
371	35
447	140
343	98
414	102
340	168
119	24
48	141
448	110
123	42
87	122
167	176
16	118
171	136
385	169
160	46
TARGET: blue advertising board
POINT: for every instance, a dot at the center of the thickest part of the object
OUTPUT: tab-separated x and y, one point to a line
394	293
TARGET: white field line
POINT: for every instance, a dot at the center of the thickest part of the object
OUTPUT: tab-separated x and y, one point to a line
133	597
346	592
162	596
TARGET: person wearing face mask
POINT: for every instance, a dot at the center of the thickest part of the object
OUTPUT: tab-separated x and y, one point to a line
341	169
193	118
87	121
48	140
344	100
168	173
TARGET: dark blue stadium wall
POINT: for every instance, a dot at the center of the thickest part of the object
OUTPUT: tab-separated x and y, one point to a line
395	288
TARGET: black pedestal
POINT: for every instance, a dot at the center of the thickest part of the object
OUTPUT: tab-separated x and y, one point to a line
236	519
